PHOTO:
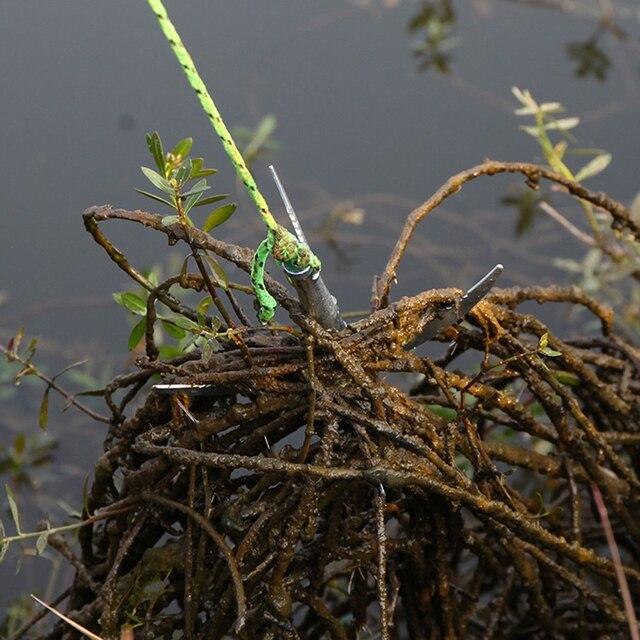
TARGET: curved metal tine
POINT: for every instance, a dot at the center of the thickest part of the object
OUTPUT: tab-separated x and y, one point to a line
287	205
456	312
478	291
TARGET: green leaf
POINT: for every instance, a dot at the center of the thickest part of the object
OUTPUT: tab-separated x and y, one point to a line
184	269
563	124
566	377
196	165
218	271
186	323
199	171
219	216
592	168
532	131
210	347
204	173
447	413
13	507
41	542
182	148
4	546
168	351
43	414
153	196
190	202
211	199
525	98
137	333
157	180
167	221
204	304
155	147
552	353
266	127
173	330
544	340
184	172
93	393
198	187
131	301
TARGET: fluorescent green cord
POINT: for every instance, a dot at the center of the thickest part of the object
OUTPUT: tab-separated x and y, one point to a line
280	243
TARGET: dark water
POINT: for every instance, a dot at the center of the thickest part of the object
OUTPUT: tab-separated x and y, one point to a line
357	121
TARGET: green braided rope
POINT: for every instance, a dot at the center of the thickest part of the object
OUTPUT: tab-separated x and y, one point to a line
280	243
266	301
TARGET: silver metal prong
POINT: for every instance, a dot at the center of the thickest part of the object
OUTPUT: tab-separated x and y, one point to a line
287	205
186	411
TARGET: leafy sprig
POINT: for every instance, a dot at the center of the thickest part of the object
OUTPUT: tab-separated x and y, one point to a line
182	182
546	123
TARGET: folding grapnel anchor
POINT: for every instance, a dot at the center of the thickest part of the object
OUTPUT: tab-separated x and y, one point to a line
312	291
321	305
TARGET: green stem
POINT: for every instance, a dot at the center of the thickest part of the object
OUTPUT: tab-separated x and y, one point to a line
67	527
556	163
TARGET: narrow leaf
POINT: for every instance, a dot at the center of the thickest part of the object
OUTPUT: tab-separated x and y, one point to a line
182	148
203	173
43	414
186	323
184	172
190	202
93	393
13	507
544	340
264	129
207	351
219	216
137	333
4	546
551	107
153	196
211	199
157	180
14	342
173	329
41	542
131	301
563	124
155	147
184	268
204	304
218	271
592	168
198	170
198	187
524	97
532	131
552	353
